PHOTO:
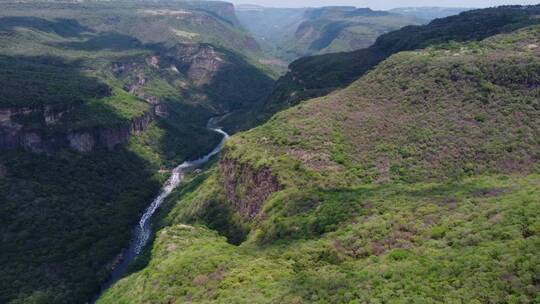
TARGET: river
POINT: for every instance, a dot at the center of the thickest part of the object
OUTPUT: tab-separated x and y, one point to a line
143	230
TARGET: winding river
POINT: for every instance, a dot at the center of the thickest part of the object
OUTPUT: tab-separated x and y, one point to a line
143	230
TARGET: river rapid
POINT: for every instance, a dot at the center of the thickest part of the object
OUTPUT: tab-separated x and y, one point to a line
143	230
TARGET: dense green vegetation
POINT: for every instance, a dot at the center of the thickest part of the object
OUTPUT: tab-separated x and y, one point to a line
417	183
98	68
430	243
51	84
315	76
64	220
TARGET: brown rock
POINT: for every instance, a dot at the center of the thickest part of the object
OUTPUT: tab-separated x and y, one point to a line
256	186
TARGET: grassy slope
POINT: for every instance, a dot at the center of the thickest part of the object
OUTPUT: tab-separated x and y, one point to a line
424	242
67	216
450	137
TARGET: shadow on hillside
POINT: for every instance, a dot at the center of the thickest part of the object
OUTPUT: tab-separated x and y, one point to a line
46	80
104	41
67	28
70	215
238	84
312	213
65	216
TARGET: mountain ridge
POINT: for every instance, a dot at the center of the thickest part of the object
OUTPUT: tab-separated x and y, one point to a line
315	76
288	34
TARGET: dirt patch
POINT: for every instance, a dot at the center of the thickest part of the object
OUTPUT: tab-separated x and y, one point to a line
172	247
450	202
492	192
383	166
316	160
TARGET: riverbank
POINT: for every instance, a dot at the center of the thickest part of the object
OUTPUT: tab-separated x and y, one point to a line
143	231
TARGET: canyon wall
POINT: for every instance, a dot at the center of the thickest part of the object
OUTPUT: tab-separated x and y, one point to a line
16	135
246	187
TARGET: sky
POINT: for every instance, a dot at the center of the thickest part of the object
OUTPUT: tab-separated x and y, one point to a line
384	4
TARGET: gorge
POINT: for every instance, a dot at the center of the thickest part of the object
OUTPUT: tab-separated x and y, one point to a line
181	151
143	231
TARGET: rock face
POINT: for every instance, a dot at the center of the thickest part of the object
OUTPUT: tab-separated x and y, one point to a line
87	141
200	62
247	188
15	135
192	65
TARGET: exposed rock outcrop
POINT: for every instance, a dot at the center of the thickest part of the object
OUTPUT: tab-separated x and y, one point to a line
200	62
14	134
87	141
247	188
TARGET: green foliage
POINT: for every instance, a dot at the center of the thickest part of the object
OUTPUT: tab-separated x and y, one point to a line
400	188
66	217
68	214
50	81
315	76
387	252
339	155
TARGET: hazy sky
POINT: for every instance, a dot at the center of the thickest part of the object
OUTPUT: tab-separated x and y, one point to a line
384	4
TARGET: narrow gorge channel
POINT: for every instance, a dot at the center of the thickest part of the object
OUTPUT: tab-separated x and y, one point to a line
143	230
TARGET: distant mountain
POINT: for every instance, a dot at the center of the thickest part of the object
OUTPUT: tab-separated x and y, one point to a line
271	26
292	33
318	75
430	13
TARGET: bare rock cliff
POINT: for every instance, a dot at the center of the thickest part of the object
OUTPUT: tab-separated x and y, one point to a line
247	188
14	134
200	62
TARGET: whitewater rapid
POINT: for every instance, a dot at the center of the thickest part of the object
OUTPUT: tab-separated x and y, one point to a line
143	230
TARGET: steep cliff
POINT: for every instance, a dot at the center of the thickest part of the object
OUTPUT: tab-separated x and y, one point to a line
15	134
247	188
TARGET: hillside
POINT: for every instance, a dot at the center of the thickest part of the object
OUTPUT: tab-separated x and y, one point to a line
429	13
99	101
318	75
288	34
419	182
